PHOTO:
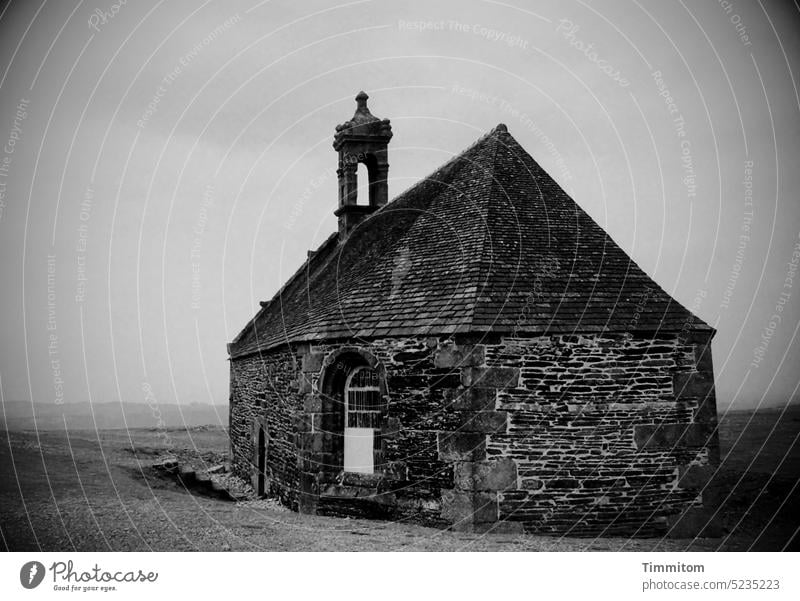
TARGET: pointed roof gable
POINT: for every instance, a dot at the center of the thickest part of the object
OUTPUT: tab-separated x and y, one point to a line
487	243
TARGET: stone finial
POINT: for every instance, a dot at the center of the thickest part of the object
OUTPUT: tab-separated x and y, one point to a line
363	123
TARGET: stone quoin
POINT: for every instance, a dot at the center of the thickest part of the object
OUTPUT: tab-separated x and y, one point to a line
477	354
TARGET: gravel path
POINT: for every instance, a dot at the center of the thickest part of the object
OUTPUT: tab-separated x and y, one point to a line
90	492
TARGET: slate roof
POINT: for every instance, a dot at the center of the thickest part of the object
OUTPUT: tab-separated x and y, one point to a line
487	243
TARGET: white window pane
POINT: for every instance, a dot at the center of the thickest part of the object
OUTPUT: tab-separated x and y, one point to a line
358	456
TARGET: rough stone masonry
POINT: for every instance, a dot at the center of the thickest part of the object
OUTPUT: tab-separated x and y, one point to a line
513	435
422	365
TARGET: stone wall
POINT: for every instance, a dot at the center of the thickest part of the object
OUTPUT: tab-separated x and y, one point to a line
593	434
410	475
602	431
264	393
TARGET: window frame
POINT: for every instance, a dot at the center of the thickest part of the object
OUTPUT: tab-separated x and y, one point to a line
373	388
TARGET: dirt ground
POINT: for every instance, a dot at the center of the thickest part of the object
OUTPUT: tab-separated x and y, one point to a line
95	491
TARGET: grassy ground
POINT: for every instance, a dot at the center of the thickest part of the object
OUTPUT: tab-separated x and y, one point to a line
94	491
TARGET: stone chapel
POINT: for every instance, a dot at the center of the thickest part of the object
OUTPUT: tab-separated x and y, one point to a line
476	354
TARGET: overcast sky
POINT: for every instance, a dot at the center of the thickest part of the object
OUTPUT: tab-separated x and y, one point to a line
166	165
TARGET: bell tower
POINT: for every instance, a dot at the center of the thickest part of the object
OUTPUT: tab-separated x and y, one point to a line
362	139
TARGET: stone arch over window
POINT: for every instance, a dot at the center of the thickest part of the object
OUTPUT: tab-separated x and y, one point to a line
353	389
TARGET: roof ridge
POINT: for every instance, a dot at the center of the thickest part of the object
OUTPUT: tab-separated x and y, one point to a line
500	128
449	164
492	214
439	175
633	270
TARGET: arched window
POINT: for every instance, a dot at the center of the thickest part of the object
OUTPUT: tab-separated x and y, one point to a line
362	410
362	185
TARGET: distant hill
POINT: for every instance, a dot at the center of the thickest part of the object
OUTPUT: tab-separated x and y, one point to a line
19	415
